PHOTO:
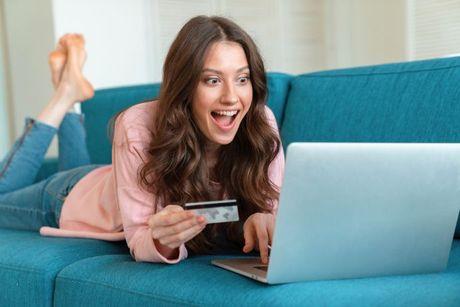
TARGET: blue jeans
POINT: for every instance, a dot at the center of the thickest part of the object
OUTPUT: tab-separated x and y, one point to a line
29	205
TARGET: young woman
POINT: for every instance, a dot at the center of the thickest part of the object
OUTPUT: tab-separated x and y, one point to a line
208	136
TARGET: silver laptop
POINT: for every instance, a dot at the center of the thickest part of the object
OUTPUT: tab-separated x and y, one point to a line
351	210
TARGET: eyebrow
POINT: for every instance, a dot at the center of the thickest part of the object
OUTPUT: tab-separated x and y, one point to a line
219	72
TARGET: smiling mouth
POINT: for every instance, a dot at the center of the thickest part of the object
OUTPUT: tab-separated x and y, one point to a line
224	121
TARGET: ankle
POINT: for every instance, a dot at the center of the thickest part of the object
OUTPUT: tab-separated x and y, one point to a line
52	114
75	108
64	91
55	110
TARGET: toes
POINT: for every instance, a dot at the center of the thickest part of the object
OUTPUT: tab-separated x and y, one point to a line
61	47
75	48
56	59
72	39
81	38
63	39
73	44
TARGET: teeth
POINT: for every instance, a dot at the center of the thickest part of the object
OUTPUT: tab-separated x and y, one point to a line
226	113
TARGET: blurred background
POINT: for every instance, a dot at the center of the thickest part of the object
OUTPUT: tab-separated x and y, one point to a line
127	40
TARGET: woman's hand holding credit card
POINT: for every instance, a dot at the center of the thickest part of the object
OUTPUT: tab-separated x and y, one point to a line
173	226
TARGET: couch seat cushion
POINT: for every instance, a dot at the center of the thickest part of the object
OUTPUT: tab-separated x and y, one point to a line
29	264
117	280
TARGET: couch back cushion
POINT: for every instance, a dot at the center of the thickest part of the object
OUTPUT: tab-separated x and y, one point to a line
102	108
109	102
403	102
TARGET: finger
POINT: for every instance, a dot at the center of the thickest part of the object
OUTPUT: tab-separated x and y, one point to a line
179	227
248	239
173	218
172	208
166	217
188	238
262	236
271	229
270	237
181	237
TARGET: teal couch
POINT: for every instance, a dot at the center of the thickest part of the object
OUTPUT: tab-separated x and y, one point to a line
402	102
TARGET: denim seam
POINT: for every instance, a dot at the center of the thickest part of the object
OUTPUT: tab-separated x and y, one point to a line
29	126
24	209
42	213
163	298
58	195
21	141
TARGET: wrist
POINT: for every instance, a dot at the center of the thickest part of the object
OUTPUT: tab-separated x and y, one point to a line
168	253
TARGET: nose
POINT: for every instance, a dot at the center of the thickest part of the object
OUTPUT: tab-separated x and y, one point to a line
229	95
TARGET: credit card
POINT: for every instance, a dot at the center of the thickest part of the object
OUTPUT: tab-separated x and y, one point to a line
220	211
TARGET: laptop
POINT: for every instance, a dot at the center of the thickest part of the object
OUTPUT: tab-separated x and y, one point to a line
354	210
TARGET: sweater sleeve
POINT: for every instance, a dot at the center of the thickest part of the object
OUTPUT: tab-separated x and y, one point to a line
135	204
276	168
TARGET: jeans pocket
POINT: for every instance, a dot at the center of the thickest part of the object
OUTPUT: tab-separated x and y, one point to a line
61	184
58	186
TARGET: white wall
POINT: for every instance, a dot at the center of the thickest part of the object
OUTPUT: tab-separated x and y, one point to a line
119	43
29	37
363	32
289	33
127	40
434	28
118	36
5	140
4	122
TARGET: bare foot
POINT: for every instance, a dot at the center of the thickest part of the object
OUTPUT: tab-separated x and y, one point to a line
80	41
66	63
56	60
58	57
72	80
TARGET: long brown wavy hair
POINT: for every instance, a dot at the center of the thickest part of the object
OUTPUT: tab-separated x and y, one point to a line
176	171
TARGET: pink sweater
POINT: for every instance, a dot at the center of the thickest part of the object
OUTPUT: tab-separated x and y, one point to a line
107	203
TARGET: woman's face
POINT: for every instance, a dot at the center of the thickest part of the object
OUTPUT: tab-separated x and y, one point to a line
224	93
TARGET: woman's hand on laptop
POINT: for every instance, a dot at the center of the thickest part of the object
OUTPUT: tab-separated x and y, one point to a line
258	233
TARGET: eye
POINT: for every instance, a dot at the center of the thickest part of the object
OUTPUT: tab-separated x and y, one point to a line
212	81
243	80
